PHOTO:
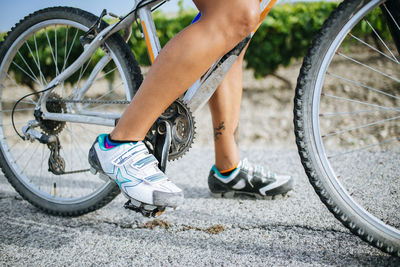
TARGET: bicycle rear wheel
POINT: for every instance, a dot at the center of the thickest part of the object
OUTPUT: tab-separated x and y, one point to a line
36	50
346	112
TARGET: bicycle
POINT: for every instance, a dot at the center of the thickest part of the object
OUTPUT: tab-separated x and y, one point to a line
82	55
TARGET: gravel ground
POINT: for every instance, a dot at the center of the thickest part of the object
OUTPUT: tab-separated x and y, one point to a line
291	231
295	230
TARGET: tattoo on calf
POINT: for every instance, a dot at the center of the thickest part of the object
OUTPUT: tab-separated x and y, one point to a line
236	135
218	130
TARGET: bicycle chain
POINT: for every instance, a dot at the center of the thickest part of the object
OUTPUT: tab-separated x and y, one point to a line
118	102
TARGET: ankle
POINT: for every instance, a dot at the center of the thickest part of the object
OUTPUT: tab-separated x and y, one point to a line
227	169
118	137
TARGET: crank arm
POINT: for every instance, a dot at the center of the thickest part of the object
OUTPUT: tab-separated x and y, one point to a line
166	147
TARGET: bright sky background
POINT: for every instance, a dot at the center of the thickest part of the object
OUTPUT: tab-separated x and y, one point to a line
14	10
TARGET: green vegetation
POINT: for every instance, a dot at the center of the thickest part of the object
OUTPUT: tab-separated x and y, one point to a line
284	36
2	35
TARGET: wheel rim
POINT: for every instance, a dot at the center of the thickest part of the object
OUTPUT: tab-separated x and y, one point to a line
344	185
28	161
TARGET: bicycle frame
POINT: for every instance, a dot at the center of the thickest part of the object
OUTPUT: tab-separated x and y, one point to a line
195	97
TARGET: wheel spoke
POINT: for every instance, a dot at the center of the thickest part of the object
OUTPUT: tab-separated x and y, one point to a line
17	109
55	48
22	101
363	148
368	67
26	73
51	50
75	140
37	56
380	39
65	55
104	105
360	102
109	92
31	156
356	112
105	74
360	127
84	69
70	49
37	62
29	68
41	162
361	85
391	16
394	59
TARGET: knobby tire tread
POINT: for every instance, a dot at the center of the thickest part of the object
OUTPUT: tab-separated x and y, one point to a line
305	151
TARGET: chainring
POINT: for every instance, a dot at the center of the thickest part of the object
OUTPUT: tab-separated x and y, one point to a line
182	123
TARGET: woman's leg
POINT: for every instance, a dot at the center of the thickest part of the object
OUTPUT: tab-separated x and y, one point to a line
225	108
230	175
184	59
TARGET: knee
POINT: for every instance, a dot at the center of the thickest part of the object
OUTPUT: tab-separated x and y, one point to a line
241	19
233	19
247	19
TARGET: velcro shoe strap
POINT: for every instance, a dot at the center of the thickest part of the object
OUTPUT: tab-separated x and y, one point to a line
147	160
156	177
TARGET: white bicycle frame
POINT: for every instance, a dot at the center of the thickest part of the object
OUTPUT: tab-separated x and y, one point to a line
195	97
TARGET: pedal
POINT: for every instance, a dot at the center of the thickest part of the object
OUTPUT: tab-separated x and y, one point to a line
145	210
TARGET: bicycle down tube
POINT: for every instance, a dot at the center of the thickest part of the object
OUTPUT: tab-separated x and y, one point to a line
195	97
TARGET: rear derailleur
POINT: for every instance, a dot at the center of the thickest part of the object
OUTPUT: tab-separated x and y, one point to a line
56	162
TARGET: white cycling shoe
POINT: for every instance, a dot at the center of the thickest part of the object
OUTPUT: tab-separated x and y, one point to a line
137	174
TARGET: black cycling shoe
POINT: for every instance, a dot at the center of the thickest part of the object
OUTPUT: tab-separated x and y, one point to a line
250	180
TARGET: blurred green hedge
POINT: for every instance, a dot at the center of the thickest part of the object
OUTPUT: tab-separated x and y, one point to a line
284	36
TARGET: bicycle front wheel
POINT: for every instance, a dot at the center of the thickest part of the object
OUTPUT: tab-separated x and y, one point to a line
347	119
36	50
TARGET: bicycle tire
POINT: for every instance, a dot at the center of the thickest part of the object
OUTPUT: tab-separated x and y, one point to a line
345	194
67	22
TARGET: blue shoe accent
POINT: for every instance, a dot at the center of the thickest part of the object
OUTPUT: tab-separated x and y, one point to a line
216	171
106	144
101	139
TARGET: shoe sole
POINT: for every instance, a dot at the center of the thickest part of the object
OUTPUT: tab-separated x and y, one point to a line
235	194
282	192
146	209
